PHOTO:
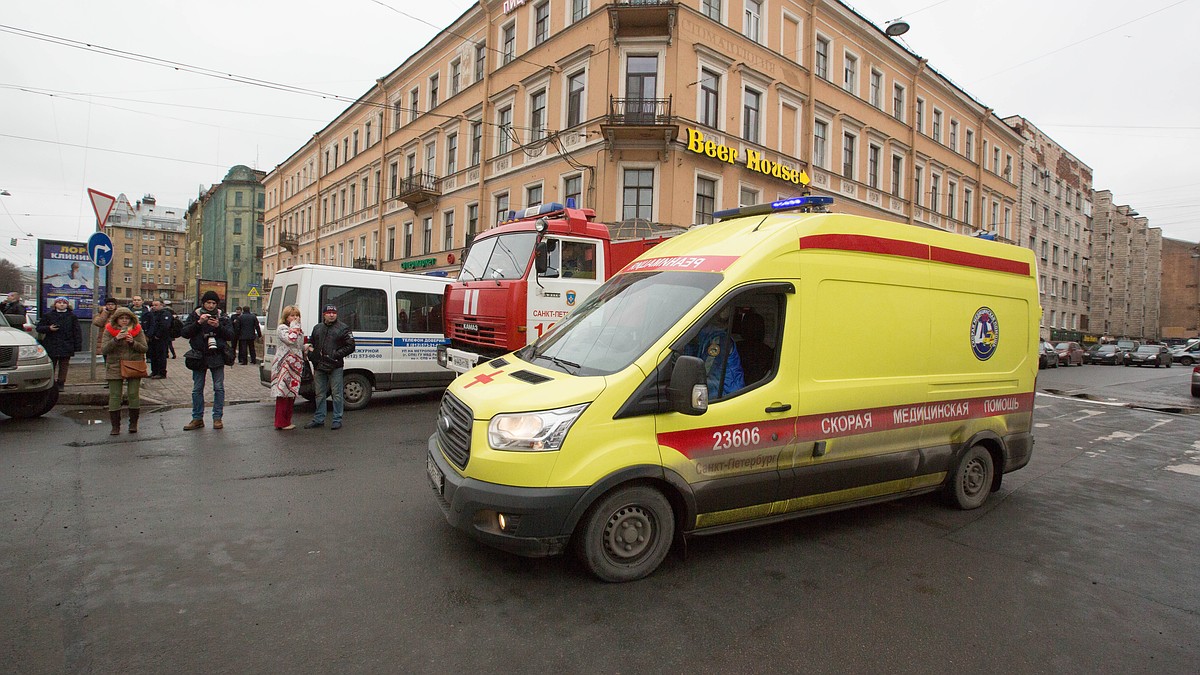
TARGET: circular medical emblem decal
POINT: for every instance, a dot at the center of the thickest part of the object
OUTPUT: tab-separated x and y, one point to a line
985	333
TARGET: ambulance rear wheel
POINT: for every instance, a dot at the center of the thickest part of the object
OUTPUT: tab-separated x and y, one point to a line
626	535
972	480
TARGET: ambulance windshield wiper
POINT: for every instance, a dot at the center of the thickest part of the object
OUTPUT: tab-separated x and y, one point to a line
561	363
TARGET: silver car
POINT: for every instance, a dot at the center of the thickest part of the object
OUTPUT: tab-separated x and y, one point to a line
26	374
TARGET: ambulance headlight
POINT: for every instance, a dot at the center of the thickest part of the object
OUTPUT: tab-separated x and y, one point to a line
533	431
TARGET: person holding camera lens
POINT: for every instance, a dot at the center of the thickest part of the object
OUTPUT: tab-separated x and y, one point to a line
208	332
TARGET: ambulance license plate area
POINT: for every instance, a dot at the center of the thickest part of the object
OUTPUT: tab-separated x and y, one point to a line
461	362
436	479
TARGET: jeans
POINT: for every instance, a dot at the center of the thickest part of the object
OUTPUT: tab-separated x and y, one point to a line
218	378
324	382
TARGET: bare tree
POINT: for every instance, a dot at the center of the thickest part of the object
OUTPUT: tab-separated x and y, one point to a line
10	276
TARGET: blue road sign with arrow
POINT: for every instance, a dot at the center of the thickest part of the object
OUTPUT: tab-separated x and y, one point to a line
100	249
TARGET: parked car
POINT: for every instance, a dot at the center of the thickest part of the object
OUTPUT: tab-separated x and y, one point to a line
1187	354
1069	353
1147	355
26	374
1047	356
1129	345
1196	381
1110	355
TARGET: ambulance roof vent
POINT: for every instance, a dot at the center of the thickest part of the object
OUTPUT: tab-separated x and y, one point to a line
807	204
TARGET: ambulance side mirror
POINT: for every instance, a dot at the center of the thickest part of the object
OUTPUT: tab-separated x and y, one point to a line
688	390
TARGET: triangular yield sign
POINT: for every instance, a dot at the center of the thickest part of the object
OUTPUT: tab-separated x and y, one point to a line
102	204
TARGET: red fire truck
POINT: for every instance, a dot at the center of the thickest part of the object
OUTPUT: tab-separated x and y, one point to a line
525	274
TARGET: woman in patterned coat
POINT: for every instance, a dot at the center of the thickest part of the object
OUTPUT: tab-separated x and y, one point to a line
288	366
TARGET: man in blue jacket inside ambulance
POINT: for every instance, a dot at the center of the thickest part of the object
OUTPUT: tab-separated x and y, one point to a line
721	360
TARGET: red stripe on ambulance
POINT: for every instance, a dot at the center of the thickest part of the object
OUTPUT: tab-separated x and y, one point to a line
909	249
694	443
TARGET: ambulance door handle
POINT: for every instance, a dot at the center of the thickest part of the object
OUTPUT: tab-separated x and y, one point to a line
783	407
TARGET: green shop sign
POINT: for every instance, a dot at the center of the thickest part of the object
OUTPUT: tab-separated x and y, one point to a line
418	264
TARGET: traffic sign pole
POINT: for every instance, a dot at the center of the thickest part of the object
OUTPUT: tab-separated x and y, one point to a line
102	205
95	308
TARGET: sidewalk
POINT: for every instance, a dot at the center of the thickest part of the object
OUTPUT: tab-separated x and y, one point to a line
241	383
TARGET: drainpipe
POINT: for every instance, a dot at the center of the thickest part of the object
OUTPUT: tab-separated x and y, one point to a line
911	173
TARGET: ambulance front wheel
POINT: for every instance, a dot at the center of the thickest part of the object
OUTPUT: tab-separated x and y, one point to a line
972	480
627	534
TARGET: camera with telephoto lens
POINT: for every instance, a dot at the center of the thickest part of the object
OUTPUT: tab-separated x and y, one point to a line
211	337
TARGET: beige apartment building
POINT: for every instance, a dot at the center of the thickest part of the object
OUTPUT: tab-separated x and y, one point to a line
149	250
1056	224
653	110
1179	304
1126	269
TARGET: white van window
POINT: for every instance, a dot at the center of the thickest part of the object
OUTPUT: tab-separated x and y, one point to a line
418	312
289	297
274	306
364	310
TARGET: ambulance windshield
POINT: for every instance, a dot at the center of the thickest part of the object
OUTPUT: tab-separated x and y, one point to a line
505	256
619	322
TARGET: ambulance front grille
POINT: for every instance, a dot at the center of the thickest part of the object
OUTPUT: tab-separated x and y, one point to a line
454	430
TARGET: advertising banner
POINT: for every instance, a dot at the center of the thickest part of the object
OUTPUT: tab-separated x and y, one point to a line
66	271
205	285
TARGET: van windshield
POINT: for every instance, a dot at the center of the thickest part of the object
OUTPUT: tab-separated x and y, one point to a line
501	257
619	322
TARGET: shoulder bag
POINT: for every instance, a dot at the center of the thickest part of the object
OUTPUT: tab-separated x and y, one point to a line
133	369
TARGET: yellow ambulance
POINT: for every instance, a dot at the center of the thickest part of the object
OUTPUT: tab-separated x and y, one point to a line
782	362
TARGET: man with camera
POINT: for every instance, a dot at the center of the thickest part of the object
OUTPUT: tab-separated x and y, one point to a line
208	332
331	342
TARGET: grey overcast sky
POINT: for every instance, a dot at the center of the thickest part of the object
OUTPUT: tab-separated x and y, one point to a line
1112	81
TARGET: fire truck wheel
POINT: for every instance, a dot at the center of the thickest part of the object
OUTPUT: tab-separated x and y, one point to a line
627	534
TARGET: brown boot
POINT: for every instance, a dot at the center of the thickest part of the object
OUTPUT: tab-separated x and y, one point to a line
194	424
115	417
133	419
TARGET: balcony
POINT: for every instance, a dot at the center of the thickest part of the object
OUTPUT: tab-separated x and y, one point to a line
289	241
419	188
366	264
642	18
639	122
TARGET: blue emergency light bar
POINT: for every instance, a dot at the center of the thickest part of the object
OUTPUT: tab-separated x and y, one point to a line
533	212
809	204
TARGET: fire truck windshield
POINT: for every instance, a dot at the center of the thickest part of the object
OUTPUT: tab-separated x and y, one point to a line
505	256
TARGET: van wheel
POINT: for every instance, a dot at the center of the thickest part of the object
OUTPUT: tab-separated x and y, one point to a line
356	391
29	405
971	482
1186	360
626	535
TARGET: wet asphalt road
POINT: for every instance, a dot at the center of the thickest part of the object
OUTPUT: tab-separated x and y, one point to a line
251	550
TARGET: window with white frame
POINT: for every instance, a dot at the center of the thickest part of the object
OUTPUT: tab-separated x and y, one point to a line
876	89
451	154
533	195
752	24
954	135
575	98
706	199
967	193
897	176
935	187
480	60
573	189
850	73
996	160
918	190
898	101
579	10
820	143
748	196
427	235
447	230
711	9
849	147
537	115
455	74
431	158
476	142
920	121
710	98
822	58
504	124
501	207
937	125
414	109
541	23
951	198
434	81
508	43
637	194
752	115
472	221
873	153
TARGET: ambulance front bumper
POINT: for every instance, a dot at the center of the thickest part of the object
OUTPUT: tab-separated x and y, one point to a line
526	521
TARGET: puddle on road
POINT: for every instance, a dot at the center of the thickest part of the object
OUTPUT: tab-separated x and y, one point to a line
88	417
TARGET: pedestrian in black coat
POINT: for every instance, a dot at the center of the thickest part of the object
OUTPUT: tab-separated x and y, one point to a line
156	321
248	332
62	337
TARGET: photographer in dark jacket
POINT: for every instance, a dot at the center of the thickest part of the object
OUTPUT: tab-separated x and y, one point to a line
62	338
208	331
331	342
156	322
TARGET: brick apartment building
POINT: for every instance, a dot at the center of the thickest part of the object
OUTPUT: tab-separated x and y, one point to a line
1126	269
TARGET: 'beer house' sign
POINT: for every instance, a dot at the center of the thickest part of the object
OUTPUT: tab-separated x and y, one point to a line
754	159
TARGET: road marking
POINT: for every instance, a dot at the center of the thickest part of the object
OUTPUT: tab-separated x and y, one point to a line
1157	423
1189	469
1122	436
1088	414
